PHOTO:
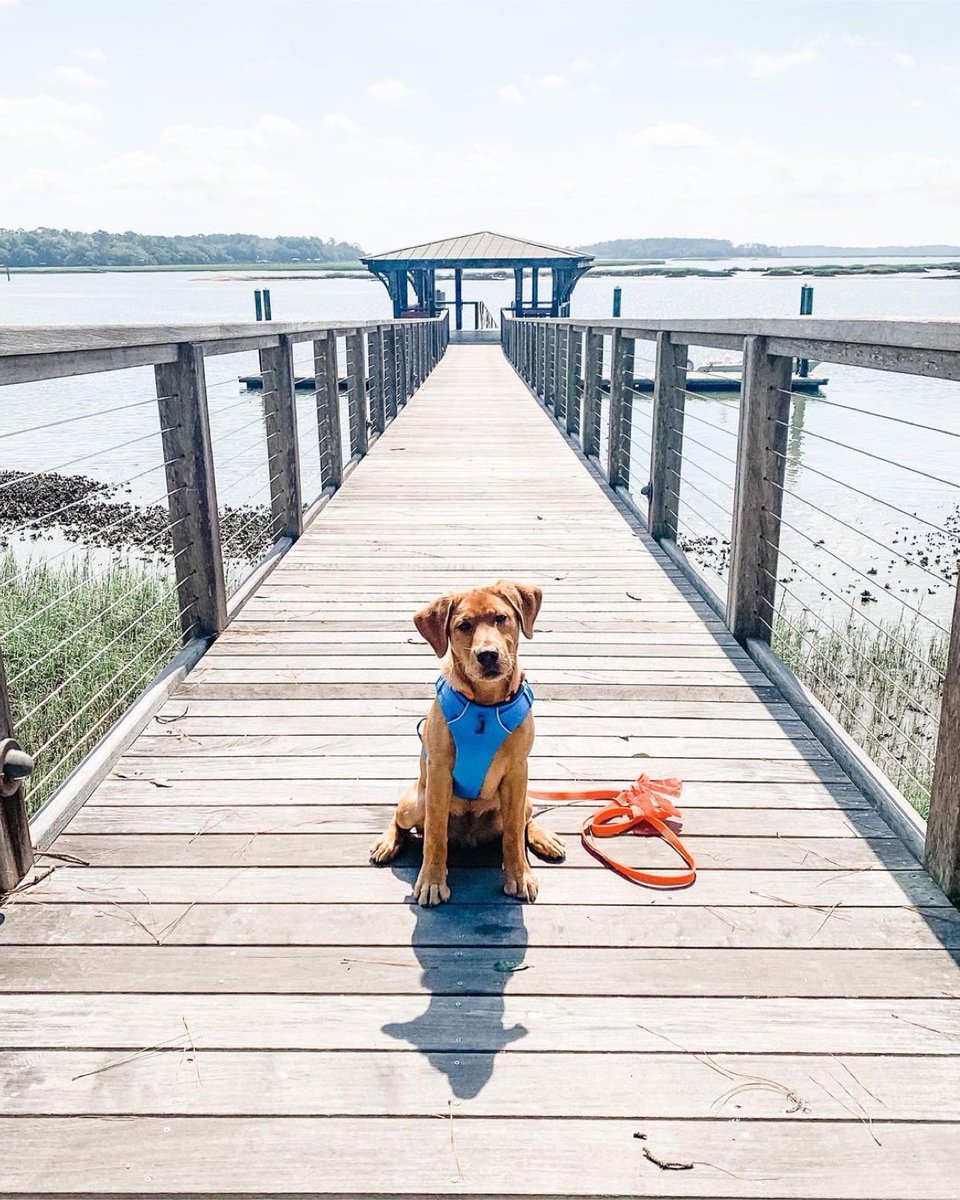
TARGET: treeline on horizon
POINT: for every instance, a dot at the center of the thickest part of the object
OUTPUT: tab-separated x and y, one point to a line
679	248
68	248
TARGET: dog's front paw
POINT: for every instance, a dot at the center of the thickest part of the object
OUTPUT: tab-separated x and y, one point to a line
387	846
524	885
545	844
431	887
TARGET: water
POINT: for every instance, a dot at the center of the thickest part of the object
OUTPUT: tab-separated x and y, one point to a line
123	447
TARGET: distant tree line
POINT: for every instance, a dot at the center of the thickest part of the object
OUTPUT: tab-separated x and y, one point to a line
67	248
679	248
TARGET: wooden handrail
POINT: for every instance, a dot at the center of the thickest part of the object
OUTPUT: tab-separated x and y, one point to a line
926	348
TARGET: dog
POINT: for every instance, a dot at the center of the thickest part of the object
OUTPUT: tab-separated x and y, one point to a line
476	633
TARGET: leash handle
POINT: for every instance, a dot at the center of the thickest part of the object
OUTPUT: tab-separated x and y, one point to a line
646	802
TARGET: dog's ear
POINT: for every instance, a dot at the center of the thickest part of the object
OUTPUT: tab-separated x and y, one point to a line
433	623
525	598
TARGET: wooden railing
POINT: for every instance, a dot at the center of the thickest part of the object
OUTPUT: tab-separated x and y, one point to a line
593	379
359	375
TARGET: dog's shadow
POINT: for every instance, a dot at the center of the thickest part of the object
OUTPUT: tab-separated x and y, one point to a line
467	949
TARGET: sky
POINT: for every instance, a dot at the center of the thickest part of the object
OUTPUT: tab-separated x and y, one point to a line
570	123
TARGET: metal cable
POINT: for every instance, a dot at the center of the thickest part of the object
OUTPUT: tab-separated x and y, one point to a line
713	397
865	412
84	458
687	438
856	570
688	483
103	649
687	461
86	499
850	646
832	687
104	529
725	537
869	454
103	412
853	529
689	416
866	495
844	600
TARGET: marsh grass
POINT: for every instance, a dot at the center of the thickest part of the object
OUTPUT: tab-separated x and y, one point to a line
883	685
80	641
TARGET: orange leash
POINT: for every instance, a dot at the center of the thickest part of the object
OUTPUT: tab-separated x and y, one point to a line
646	804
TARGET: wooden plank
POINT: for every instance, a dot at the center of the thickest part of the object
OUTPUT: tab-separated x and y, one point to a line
296	848
472	971
192	493
419	1156
559	885
378	1083
578	1024
662	926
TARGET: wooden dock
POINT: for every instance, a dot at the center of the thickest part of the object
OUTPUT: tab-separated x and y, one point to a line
213	994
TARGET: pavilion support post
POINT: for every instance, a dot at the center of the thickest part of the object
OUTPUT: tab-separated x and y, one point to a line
518	291
403	293
535	287
554	293
458	298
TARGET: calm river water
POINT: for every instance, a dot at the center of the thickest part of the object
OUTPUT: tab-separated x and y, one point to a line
829	446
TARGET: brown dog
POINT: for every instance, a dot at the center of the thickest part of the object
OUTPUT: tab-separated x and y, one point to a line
476	633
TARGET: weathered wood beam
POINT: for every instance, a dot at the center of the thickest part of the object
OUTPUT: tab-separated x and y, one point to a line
666	448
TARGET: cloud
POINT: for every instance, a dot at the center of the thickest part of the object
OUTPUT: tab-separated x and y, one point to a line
75	75
905	61
510	92
216	139
389	89
46	119
90	54
674	136
550	82
340	123
764	65
137	171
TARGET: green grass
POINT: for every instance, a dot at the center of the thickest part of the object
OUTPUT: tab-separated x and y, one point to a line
270	268
883	685
80	641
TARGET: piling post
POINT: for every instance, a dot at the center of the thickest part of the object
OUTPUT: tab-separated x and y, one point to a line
617	297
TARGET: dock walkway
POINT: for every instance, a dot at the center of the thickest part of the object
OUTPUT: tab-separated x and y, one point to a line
213	994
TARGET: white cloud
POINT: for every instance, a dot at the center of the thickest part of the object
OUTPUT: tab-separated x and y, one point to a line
674	136
550	81
90	54
46	119
905	61
74	75
763	64
216	139
340	123
510	92
389	89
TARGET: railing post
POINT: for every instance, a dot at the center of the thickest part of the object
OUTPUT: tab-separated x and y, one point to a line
666	442
592	372
283	451
562	349
549	354
192	493
356	393
571	388
378	410
758	492
327	387
621	410
16	849
941	850
391	378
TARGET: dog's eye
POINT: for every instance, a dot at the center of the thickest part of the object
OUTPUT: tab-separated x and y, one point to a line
500	619
464	626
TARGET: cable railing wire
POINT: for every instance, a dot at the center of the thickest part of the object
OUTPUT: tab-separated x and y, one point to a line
102	412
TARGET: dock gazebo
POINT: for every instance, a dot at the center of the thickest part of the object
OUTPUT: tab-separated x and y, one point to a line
418	266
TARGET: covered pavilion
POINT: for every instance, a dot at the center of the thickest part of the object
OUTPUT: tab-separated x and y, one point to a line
418	266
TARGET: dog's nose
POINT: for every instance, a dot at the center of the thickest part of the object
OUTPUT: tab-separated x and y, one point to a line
488	659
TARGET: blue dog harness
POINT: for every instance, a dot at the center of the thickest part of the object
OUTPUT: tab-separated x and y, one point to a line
478	731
